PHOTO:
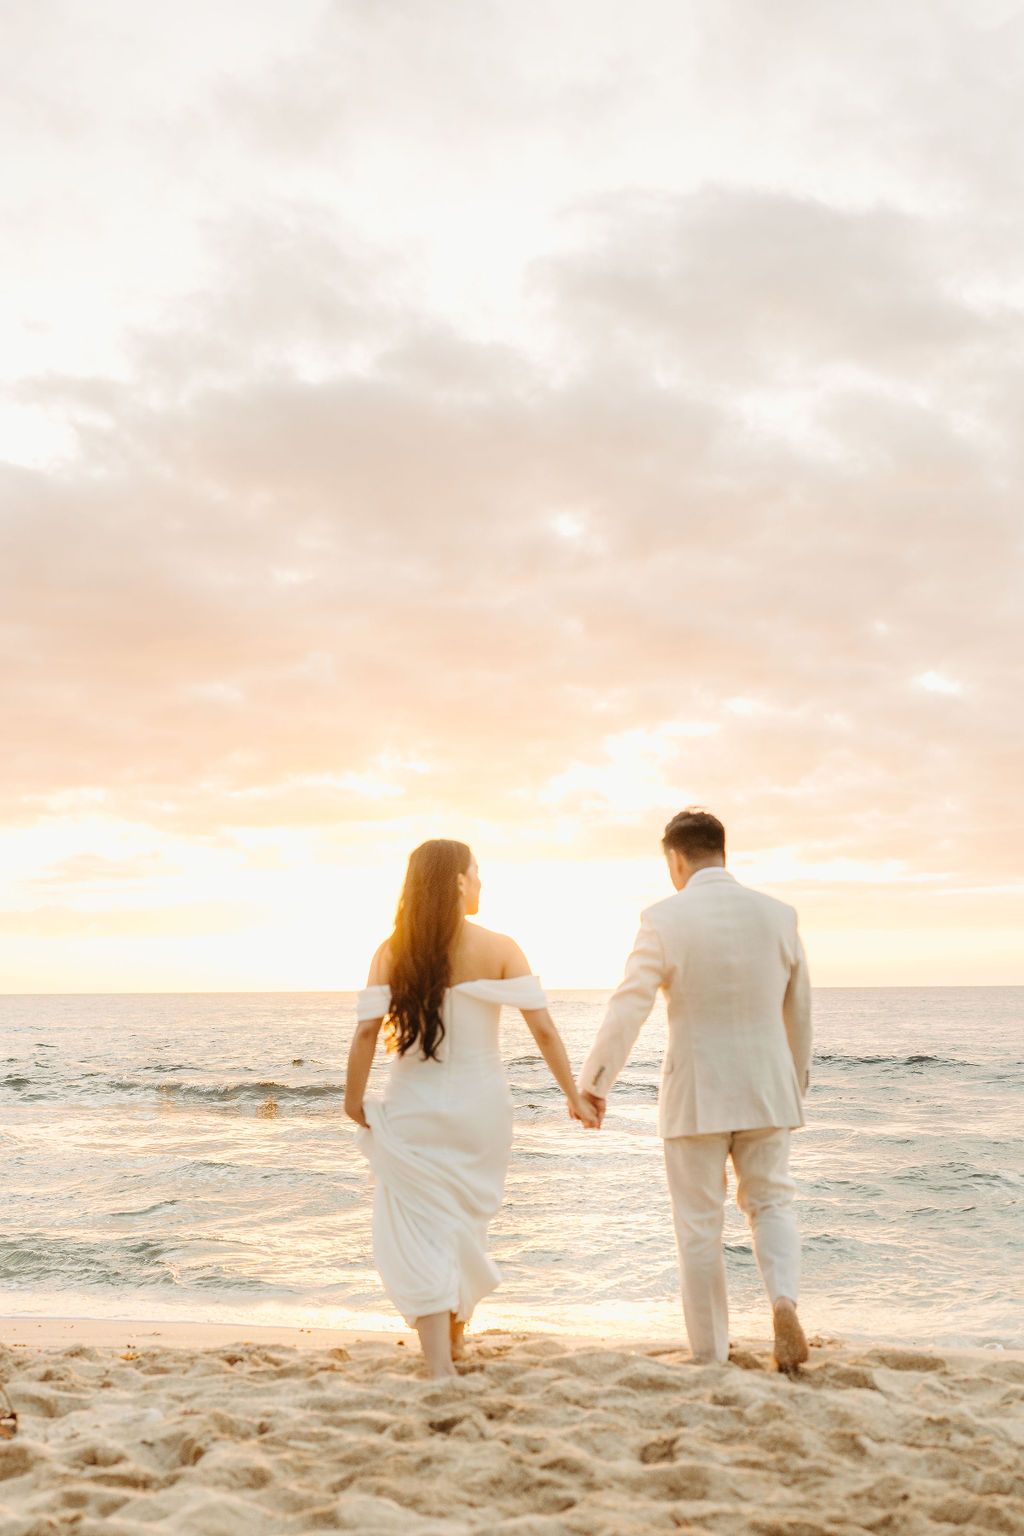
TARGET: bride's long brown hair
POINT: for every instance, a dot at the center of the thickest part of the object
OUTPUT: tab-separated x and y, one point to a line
426	923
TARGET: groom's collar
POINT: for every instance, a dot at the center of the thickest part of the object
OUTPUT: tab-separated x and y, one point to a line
705	876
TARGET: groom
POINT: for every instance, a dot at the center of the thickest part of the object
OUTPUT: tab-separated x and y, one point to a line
732	968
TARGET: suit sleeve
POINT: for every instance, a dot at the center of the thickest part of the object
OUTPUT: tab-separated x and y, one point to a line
628	1008
796	1013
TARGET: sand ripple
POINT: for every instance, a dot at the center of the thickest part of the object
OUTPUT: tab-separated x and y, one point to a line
534	1439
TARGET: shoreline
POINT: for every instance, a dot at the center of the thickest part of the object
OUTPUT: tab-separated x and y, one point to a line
114	1332
55	1333
51	1331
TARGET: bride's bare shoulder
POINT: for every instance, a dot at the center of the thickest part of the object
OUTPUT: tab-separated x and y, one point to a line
504	957
380	966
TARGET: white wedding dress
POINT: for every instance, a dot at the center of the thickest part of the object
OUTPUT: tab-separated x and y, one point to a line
438	1144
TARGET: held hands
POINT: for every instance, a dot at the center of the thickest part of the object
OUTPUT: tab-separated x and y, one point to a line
588	1109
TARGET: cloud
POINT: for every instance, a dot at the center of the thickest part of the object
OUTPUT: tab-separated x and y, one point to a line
737	286
191	919
331	549
95	872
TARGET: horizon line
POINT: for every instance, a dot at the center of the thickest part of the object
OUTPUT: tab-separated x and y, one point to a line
925	986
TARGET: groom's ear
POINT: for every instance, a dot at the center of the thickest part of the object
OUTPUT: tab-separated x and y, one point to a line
675	867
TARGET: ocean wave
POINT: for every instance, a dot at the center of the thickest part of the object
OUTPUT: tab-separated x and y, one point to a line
951	1175
231	1093
68	1263
148	1210
197	1093
63	1262
841	1059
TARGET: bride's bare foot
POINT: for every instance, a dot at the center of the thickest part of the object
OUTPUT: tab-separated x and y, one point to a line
457	1332
437	1354
790	1349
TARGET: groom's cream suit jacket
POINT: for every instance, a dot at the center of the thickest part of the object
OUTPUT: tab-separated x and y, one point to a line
733	971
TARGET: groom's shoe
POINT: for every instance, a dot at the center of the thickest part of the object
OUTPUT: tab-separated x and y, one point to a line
790	1349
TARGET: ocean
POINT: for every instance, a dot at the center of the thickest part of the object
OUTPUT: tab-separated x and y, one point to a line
187	1157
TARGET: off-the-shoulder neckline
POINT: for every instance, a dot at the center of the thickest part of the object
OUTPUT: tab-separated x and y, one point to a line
491	981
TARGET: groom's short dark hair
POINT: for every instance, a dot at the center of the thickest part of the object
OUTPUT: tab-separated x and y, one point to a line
696	834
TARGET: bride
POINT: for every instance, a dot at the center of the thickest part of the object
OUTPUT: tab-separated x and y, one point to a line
439	1140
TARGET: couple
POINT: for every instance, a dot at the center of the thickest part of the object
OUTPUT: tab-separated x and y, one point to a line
732	967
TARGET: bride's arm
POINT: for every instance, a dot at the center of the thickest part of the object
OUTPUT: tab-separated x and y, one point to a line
542	1027
360	1060
364	1044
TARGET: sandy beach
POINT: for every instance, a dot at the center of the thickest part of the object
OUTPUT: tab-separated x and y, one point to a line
217	1431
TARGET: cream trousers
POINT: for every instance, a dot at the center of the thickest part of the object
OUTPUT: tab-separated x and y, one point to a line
697	1183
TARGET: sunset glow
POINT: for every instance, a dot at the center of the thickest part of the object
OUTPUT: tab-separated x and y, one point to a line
408	430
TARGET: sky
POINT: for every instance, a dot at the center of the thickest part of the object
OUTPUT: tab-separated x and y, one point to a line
511	421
